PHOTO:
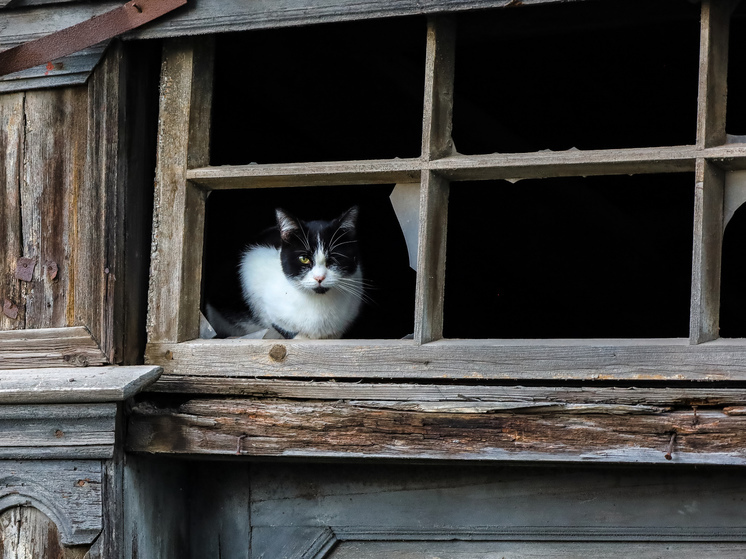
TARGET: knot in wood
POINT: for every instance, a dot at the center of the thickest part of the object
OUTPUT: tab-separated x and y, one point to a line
169	355
278	352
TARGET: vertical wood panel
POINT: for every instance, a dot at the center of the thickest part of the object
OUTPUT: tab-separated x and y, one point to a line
431	258
27	533
56	132
713	70
11	160
439	75
178	228
707	249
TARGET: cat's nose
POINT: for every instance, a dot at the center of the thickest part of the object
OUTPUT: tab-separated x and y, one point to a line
319	278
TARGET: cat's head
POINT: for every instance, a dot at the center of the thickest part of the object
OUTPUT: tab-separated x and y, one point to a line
319	255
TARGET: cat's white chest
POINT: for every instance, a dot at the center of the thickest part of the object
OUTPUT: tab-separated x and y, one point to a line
275	300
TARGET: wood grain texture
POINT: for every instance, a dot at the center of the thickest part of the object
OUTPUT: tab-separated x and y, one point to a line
209	16
704	323
440	61
431	258
12	134
57	431
713	71
75	386
306	174
26	533
54	173
49	347
378	429
629	360
67	491
178	226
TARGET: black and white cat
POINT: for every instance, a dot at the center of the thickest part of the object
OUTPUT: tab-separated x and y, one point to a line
303	279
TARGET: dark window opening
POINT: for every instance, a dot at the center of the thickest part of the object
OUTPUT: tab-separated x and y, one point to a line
736	108
586	75
234	219
596	257
733	278
321	93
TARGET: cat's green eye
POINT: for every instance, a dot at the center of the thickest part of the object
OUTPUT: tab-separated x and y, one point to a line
304	259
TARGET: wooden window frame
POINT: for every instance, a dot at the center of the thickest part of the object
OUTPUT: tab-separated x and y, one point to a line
184	178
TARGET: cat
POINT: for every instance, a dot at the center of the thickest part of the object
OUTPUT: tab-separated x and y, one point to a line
303	279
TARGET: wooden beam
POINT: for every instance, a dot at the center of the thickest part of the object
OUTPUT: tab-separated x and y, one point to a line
228	177
75	386
379	429
713	72
704	323
49	347
178	230
648	360
440	61
570	163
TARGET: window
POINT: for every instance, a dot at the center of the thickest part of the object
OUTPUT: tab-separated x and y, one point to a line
596	128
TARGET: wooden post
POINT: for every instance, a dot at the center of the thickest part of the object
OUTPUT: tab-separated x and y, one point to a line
708	241
178	225
436	143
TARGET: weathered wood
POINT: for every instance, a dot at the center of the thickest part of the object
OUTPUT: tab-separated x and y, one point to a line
80	385
729	158
306	174
210	16
70	70
49	347
516	550
68	492
713	72
178	226
440	62
54	173
416	392
567	163
704	323
27	533
637	359
12	133
349	429
57	431
431	258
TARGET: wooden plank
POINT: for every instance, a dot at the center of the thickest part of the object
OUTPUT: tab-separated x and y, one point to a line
28	532
562	360
569	163
351	429
729	158
68	492
525	396
306	174
713	72
704	324
431	258
440	60
98	297
69	70
49	347
56	132
178	227
210	16
57	431
12	133
26	24
81	385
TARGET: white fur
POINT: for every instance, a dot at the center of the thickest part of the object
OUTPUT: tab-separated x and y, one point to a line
292	305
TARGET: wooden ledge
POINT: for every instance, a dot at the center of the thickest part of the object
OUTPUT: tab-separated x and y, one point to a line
74	385
49	347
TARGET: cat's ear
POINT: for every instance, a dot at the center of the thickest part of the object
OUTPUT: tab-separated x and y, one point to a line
287	224
348	220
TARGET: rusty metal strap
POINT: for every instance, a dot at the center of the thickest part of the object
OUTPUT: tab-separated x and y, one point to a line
85	34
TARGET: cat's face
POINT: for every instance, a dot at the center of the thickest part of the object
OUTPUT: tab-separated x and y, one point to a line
319	255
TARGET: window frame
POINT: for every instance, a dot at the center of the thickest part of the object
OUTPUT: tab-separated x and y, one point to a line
184	179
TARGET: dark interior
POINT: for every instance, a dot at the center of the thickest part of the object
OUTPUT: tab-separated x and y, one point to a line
586	75
736	114
320	93
236	218
733	278
596	257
